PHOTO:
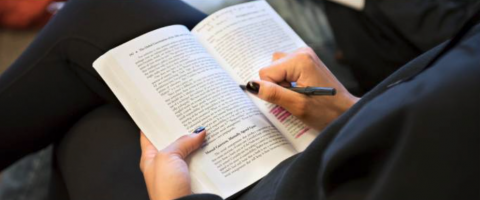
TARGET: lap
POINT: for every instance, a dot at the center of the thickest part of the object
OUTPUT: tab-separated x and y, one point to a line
99	157
53	83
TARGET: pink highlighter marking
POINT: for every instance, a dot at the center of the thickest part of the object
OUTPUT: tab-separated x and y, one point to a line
284	116
276	110
302	132
280	113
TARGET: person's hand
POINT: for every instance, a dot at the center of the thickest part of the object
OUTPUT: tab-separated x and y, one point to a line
306	69
166	172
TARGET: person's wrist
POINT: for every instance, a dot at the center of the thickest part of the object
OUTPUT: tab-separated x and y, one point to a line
348	101
344	103
328	109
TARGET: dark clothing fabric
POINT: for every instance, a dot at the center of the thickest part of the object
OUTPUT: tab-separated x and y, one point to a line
99	159
52	85
389	33
416	140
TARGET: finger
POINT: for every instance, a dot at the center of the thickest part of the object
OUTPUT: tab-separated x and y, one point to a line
277	56
307	50
284	70
281	96
276	72
186	144
290	68
285	84
144	142
148	151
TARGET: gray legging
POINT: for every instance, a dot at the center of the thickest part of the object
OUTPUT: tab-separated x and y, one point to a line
52	86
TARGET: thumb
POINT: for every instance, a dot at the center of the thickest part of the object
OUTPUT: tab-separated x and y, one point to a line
186	144
148	151
278	55
279	95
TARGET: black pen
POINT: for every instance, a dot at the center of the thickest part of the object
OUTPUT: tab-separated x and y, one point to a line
252	86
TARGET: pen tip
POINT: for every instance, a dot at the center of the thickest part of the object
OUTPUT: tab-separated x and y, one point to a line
243	87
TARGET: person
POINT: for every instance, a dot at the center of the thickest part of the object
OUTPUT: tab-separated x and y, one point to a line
414	136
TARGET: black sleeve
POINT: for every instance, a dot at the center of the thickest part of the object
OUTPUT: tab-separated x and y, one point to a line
417	140
387	34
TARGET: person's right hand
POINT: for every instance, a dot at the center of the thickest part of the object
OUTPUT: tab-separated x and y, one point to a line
306	69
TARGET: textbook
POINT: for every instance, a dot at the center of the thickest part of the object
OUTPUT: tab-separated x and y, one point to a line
172	80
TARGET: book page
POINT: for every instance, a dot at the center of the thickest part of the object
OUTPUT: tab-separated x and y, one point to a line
358	5
170	85
243	39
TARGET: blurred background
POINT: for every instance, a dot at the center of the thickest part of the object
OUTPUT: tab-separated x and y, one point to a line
12	44
21	20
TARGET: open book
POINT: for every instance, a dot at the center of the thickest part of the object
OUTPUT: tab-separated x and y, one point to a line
172	80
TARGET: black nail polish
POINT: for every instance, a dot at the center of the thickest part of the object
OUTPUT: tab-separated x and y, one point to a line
199	130
253	87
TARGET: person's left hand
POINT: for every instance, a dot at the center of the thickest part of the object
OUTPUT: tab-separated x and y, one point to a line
166	172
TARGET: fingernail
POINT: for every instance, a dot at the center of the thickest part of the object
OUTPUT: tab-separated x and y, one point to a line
253	87
199	130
